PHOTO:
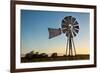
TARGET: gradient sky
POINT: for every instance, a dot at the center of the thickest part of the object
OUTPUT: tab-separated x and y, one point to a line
34	31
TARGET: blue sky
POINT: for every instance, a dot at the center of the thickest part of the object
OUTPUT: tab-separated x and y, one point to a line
34	31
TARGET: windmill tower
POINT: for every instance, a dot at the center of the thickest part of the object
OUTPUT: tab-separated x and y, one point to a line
70	28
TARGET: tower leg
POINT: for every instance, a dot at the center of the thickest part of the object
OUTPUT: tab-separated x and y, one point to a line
74	46
70	47
67	47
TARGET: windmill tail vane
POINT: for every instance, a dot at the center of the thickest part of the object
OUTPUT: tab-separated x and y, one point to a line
53	32
70	28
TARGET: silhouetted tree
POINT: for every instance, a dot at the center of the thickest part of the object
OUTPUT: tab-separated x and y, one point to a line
64	55
32	52
32	55
43	55
36	55
54	55
29	55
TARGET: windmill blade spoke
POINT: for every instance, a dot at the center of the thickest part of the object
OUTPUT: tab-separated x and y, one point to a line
76	23
64	26
74	33
77	27
68	19
64	30
71	34
76	30
67	33
65	22
73	20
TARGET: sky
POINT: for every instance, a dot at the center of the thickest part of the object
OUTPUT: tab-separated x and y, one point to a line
35	36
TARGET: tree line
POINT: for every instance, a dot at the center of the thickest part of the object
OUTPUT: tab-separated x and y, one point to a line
33	54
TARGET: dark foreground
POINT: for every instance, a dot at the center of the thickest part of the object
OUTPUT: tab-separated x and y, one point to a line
57	58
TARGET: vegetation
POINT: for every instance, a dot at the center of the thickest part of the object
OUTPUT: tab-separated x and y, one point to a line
42	57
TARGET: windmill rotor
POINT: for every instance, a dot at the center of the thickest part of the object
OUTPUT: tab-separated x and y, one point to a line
69	27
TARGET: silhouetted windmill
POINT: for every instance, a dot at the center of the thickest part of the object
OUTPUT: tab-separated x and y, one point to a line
70	28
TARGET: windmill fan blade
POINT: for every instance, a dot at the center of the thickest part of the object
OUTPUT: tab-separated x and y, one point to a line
76	23
54	32
76	30
73	20
64	26
77	27
74	33
64	30
64	22
68	19
67	34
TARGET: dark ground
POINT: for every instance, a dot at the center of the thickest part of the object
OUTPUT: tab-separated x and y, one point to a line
57	58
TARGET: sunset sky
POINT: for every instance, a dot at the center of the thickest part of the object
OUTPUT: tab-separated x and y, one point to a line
35	36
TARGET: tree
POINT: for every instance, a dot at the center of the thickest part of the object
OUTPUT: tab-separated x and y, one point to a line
32	52
29	55
54	55
36	55
43	55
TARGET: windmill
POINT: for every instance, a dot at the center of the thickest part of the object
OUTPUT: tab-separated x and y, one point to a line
70	28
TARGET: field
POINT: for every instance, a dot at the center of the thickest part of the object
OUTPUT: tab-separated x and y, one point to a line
55	58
